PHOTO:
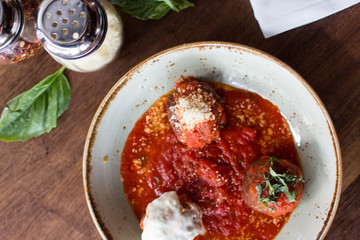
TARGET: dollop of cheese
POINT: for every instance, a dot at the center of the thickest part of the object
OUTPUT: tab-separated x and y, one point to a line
166	219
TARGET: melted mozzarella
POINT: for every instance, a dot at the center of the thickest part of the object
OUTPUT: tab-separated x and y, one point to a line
167	219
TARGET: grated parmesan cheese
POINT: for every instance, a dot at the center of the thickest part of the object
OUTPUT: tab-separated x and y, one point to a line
192	110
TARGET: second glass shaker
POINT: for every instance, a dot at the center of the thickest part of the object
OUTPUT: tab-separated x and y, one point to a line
18	41
82	35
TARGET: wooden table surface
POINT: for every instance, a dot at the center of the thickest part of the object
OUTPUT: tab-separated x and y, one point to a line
41	190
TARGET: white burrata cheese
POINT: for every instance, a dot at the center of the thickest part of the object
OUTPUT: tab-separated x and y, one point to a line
166	219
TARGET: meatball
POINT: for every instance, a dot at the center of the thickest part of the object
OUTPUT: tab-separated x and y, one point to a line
273	186
195	112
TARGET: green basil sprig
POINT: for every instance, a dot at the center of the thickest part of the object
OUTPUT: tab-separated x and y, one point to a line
277	183
151	9
35	111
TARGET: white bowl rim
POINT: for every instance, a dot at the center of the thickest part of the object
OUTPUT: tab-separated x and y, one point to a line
90	138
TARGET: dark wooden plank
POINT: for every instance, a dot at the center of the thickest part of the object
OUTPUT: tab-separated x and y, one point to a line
346	225
41	192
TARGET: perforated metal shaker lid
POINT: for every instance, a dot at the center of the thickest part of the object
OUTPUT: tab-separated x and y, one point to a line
1	12
11	22
71	29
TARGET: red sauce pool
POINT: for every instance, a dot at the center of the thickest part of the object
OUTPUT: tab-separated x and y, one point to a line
154	162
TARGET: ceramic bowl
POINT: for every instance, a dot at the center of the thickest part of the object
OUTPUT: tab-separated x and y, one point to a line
236	65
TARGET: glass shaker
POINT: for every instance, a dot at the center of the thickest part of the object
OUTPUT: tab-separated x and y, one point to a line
18	40
82	35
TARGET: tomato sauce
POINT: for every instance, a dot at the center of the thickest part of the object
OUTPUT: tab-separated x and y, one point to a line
154	162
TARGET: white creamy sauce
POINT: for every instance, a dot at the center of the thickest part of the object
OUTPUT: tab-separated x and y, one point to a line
166	219
107	52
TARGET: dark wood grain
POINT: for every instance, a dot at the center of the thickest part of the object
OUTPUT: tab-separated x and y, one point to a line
41	191
346	225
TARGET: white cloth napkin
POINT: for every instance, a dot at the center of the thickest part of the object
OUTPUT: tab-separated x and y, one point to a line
277	16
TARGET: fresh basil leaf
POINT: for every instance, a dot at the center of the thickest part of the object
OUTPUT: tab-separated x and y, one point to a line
277	188
271	189
259	190
291	196
277	183
35	111
272	160
272	172
151	9
301	179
